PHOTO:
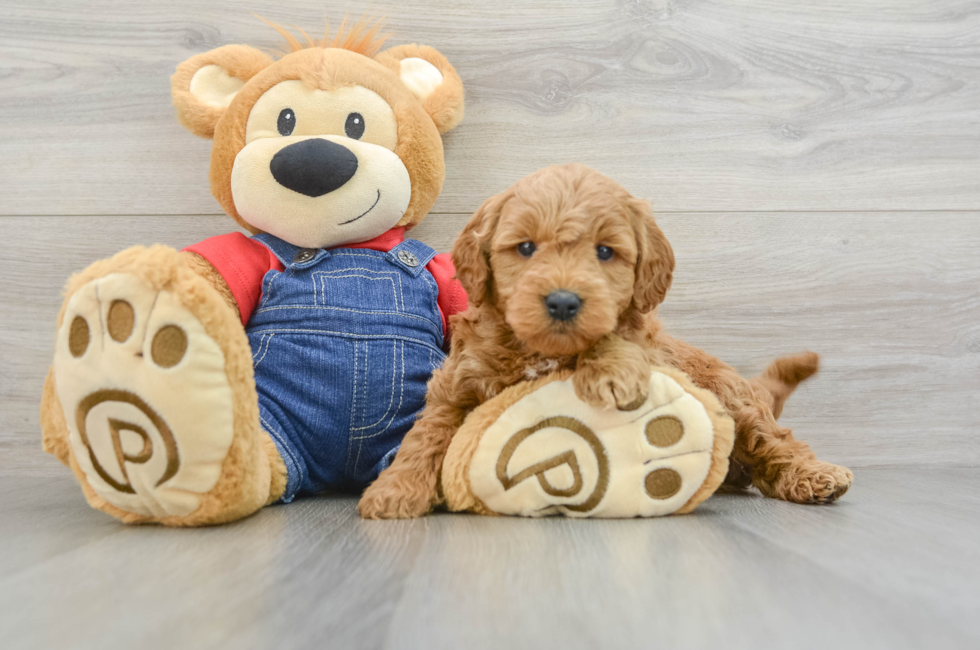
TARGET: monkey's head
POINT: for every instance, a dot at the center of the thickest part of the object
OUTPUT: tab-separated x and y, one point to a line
333	143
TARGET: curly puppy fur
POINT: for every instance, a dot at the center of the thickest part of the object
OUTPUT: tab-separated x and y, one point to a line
509	335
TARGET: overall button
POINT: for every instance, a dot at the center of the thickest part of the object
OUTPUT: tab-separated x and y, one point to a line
304	255
408	259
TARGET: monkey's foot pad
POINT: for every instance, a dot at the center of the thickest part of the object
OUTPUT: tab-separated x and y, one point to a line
536	450
145	397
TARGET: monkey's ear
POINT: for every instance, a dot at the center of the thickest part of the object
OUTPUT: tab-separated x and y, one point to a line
471	252
431	78
205	84
655	262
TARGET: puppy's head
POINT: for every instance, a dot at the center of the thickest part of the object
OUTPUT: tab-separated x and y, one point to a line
563	254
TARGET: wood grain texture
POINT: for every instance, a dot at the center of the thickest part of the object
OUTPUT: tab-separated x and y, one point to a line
891	566
756	105
816	167
889	300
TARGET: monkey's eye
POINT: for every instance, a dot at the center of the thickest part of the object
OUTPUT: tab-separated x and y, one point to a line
354	127
604	252
526	248
287	121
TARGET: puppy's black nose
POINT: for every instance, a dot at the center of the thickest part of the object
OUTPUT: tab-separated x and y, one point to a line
562	305
313	167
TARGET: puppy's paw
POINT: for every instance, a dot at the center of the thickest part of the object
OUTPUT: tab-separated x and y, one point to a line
397	494
813	482
606	384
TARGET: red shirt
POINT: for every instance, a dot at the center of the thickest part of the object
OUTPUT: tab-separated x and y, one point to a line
243	263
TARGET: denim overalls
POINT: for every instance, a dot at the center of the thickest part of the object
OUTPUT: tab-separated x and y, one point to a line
343	343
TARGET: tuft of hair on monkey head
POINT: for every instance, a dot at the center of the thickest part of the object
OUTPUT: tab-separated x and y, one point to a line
335	142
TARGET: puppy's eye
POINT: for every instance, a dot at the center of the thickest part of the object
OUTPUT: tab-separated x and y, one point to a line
526	248
287	121
604	252
354	127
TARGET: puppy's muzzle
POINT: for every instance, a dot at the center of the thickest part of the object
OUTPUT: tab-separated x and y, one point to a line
313	167
563	305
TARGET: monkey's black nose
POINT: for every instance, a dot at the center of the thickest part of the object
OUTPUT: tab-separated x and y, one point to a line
313	167
562	305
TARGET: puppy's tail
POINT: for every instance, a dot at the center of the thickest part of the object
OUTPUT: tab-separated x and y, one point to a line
784	374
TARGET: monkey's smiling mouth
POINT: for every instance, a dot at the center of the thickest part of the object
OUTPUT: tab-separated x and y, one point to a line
344	223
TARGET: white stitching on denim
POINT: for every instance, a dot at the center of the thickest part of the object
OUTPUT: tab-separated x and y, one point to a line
383	256
396	289
353	410
401	292
268	281
360	443
348	469
282	445
434	298
353	402
391	399
258	348
353	311
391	276
264	347
401	390
344	273
284	330
367	374
401	399
361	340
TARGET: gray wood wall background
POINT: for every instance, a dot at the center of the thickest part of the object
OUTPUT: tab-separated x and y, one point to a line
816	167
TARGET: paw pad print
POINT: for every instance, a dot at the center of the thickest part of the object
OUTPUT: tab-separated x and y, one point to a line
551	453
146	398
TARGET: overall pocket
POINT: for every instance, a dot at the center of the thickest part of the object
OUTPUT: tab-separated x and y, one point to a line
388	394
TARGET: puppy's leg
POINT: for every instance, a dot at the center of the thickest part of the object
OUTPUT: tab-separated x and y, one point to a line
613	374
408	488
781	466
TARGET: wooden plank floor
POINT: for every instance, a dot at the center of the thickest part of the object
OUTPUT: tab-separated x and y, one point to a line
894	565
816	167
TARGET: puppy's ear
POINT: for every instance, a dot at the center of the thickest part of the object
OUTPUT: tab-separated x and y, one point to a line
431	78
655	259
204	85
471	252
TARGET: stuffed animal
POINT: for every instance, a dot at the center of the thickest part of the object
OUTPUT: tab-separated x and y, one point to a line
537	449
195	387
563	393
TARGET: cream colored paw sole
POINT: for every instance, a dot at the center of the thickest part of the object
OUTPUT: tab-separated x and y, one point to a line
551	453
145	396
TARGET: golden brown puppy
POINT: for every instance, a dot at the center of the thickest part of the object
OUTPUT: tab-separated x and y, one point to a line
565	270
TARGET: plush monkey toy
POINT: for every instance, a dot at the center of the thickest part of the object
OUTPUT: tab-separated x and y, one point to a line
194	387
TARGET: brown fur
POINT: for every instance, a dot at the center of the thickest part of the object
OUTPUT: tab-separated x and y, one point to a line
362	37
207	271
567	211
327	67
239	61
456	491
253	473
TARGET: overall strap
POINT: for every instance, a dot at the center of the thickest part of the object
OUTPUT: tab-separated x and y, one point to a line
411	256
292	257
